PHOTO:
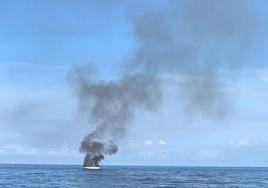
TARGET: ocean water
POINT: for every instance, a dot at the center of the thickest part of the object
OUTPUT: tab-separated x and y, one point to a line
130	176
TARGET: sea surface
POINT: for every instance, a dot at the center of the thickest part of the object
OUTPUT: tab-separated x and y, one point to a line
130	176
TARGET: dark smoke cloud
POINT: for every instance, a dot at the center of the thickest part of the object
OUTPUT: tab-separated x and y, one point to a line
196	38
188	37
110	106
95	150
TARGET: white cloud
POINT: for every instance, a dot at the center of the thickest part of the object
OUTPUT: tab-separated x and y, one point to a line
241	142
162	142
230	142
148	142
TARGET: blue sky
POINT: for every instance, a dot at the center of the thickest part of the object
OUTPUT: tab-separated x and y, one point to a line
39	119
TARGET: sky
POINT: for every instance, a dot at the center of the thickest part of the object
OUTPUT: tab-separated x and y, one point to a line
40	41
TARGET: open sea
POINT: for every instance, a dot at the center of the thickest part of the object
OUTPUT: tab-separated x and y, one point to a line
130	176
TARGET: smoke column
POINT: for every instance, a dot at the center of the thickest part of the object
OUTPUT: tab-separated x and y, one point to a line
110	106
189	37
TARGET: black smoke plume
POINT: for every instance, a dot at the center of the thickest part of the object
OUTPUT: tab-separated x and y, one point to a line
193	38
110	106
196	39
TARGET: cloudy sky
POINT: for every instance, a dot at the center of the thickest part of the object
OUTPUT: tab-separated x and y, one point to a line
39	117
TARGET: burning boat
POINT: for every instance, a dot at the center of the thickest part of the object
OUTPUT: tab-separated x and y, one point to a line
92	163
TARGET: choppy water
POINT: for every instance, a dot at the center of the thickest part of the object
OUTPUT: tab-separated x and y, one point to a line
130	176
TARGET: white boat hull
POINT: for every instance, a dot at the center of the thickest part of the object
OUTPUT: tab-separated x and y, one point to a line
92	167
